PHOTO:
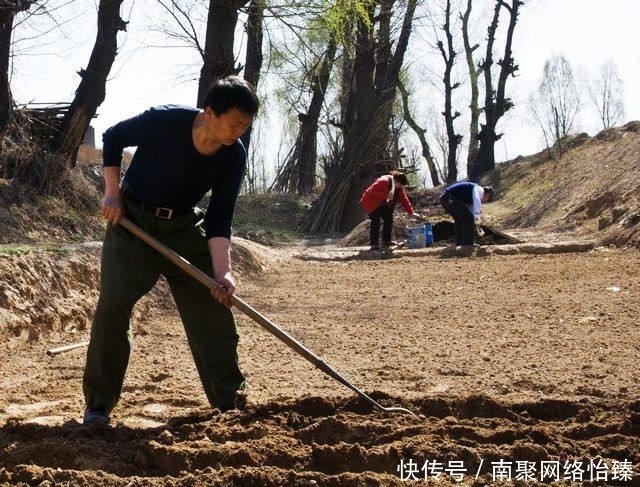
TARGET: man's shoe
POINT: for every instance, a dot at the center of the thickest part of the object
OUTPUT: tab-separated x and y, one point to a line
240	402
95	417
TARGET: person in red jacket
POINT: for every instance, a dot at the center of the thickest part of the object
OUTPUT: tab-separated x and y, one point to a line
379	200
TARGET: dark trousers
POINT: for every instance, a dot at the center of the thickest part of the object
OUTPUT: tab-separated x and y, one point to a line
129	270
462	216
385	213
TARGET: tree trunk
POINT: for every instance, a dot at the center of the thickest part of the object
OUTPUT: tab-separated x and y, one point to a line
309	127
373	136
474	73
92	88
218	46
8	11
453	139
486	136
366	128
507	63
496	104
6	101
363	138
299	171
420	132
253	62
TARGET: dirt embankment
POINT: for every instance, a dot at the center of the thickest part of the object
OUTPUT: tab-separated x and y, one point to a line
591	190
46	290
55	288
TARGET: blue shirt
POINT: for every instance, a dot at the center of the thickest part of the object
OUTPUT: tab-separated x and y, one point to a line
167	171
469	193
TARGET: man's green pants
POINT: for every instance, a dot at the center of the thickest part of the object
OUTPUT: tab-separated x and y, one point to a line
130	268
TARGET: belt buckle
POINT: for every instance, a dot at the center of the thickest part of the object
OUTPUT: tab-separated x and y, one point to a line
164	213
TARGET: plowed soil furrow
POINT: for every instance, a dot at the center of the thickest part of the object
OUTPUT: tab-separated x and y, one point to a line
504	359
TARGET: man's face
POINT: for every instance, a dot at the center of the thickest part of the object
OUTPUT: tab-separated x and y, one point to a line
486	197
228	127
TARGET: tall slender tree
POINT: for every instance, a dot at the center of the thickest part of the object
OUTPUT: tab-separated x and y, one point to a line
496	103
607	95
420	132
557	103
449	56
474	74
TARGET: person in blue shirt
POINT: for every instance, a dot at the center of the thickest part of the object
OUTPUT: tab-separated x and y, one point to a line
182	154
463	201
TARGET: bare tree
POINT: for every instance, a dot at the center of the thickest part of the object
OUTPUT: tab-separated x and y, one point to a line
420	132
8	11
607	95
496	103
255	175
91	91
449	56
557	102
474	74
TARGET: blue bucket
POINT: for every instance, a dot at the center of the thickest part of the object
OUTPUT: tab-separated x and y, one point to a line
428	234
416	237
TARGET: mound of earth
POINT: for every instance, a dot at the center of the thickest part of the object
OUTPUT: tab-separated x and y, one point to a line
250	258
55	289
27	218
591	189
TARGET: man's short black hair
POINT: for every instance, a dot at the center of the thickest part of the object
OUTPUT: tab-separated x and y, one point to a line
232	92
488	190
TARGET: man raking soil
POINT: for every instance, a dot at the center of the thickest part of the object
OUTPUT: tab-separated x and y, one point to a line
182	154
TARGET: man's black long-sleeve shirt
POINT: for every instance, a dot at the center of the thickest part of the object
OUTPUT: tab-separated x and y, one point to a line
167	171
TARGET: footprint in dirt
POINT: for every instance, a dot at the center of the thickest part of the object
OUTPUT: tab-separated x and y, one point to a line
152	417
31	413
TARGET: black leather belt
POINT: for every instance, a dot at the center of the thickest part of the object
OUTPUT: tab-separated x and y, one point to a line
158	211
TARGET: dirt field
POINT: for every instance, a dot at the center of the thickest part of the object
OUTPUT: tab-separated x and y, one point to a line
512	358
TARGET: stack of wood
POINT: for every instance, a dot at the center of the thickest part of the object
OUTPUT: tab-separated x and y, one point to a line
44	120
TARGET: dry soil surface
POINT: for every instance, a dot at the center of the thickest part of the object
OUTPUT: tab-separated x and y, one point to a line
512	359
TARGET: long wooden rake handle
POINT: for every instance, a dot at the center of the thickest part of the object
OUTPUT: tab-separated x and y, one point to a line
66	348
252	313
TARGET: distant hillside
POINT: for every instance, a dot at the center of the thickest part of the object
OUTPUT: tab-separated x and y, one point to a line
592	189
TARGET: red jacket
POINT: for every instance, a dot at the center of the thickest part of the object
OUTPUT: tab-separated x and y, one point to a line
376	194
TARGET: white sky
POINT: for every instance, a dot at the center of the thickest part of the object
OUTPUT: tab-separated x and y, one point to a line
587	32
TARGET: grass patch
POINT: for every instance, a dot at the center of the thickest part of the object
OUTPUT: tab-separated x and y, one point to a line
15	249
25	249
269	219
